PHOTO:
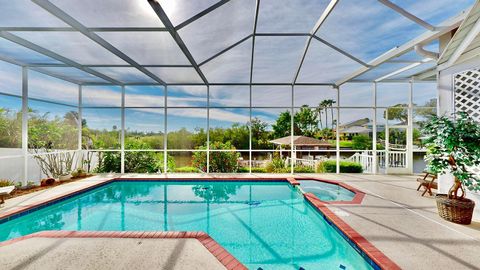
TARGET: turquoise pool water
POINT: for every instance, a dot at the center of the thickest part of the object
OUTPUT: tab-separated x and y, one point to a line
326	191
267	225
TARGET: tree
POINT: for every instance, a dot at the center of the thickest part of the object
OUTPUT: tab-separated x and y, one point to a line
260	135
306	122
220	162
361	142
282	126
453	147
397	112
330	103
319	111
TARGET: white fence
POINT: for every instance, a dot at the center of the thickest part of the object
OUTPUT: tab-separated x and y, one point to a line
396	159
309	163
365	159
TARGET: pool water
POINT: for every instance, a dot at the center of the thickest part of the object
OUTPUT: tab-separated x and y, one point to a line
326	191
267	225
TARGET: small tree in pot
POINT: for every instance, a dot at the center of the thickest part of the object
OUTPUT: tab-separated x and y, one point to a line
454	147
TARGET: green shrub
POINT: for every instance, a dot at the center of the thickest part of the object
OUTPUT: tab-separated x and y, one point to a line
220	162
186	169
135	162
108	162
254	170
243	170
259	170
277	165
170	163
330	166
302	169
361	142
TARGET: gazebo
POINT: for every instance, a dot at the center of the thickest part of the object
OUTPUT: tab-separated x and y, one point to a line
302	143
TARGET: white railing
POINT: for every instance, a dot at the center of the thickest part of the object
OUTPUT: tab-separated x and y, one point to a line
365	159
310	163
396	159
255	163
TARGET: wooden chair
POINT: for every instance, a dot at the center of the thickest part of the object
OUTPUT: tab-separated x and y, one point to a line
429	182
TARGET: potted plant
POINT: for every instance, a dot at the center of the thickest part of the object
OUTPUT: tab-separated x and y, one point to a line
453	146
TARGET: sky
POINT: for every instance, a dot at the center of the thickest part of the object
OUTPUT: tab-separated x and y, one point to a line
102	103
363	28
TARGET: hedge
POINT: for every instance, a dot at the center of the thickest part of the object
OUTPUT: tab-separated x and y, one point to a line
187	170
330	166
254	170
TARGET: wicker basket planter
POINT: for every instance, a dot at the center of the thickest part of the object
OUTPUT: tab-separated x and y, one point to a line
455	210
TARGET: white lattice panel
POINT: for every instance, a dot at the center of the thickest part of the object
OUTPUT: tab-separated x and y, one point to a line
467	93
467	96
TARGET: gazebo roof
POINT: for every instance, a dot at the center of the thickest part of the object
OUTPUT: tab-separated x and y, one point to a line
301	141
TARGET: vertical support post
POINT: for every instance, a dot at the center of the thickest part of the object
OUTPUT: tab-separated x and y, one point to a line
208	129
25	124
374	130
165	153
250	156
79	126
409	158
337	132
80	118
122	133
387	143
292	130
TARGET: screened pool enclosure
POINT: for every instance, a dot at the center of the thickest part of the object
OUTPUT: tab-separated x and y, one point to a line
212	86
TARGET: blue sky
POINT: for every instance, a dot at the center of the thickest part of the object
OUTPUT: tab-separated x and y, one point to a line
364	28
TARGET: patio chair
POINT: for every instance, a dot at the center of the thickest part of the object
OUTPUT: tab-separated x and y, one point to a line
4	192
428	181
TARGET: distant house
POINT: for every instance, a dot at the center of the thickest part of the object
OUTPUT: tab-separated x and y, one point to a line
357	127
306	146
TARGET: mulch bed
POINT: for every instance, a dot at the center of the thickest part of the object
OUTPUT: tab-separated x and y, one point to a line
20	192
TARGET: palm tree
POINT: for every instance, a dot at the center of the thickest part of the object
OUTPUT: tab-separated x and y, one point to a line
329	103
319	111
324	105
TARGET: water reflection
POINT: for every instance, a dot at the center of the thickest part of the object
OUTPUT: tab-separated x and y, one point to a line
215	192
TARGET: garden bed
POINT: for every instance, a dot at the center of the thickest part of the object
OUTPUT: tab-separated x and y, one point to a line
23	191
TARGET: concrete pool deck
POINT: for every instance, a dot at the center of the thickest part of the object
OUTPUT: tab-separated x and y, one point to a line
392	216
78	253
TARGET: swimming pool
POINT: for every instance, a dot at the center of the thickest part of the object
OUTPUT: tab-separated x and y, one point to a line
263	224
327	191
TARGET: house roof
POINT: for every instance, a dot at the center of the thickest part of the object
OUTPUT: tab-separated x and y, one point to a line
355	129
358	122
466	41
301	141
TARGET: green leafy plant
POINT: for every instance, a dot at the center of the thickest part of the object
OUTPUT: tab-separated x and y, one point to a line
330	166
303	169
453	146
6	183
186	169
361	142
277	165
220	162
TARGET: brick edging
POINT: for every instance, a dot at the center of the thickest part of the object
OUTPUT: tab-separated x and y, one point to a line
363	244
220	253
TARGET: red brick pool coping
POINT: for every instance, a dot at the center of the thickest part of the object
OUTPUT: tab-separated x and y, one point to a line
363	244
221	254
